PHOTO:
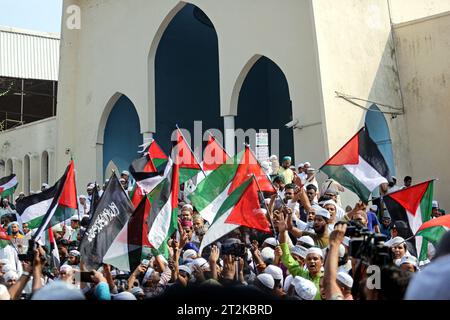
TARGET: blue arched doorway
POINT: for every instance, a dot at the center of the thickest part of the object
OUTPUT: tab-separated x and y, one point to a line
264	103
122	135
378	129
187	76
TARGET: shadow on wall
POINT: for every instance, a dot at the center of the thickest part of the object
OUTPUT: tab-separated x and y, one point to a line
122	135
187	76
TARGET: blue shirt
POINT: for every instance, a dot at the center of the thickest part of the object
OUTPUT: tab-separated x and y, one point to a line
372	221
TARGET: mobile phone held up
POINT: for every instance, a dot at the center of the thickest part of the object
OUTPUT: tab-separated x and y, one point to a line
86	276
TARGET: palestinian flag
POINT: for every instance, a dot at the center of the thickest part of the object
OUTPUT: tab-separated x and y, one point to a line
413	206
8	185
358	166
126	251
146	174
240	208
163	218
189	167
158	156
52	206
4	238
213	155
211	193
433	230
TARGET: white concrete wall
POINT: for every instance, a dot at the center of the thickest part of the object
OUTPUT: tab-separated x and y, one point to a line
423	50
407	10
31	139
357	58
112	51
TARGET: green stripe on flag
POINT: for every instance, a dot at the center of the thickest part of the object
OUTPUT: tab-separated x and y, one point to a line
433	234
186	174
425	209
348	180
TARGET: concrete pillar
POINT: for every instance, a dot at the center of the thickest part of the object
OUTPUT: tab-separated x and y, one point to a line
229	135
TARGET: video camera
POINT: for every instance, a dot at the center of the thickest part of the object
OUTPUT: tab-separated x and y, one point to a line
366	245
235	249
29	256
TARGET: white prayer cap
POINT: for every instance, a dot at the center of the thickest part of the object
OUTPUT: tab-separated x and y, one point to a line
315	250
306	240
271	241
327	202
435	204
189	254
125	172
266	279
74	253
4	261
345	279
265	165
75	217
273	157
200	262
394	242
57	228
4	293
10	275
409	259
66	268
307	163
188	207
275	272
311	170
432	282
13	223
374	207
185	269
125	295
299	251
304	288
82	196
268	255
58	290
300	165
287	282
322	212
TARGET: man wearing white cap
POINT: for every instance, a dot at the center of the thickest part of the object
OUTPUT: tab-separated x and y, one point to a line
320	235
314	258
71	233
304	289
285	171
409	263
435	213
83	205
274	164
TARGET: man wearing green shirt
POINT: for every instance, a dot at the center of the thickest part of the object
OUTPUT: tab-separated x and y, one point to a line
314	258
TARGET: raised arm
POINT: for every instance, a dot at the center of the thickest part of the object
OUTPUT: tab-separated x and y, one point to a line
332	289
17	288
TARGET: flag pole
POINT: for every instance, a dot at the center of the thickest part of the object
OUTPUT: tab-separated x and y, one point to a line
190	149
267	209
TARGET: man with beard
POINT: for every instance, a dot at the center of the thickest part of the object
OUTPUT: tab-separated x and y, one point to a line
314	258
320	226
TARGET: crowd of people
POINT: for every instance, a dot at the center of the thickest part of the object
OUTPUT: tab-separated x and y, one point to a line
312	254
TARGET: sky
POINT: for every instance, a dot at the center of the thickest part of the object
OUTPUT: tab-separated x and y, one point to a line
37	15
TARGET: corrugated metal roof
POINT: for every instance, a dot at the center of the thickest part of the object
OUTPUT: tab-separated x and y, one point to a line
29	54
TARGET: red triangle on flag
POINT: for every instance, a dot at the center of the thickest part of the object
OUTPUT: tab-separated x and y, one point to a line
137	196
184	155
68	196
248	167
149	166
348	154
3	234
214	155
410	198
247	211
155	151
